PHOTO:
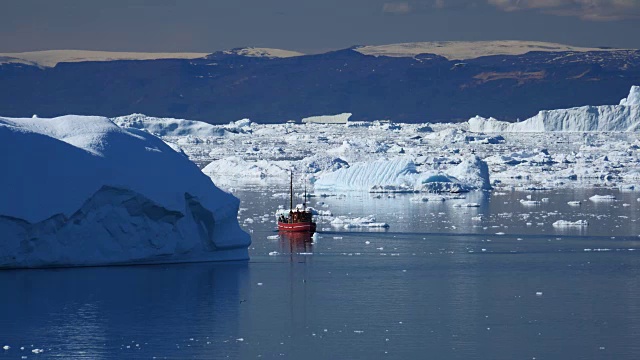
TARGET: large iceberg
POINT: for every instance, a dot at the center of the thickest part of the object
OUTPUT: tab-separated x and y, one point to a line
328	119
181	127
234	170
79	190
622	117
402	175
399	173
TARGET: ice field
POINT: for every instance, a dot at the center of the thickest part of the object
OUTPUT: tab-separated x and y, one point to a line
580	147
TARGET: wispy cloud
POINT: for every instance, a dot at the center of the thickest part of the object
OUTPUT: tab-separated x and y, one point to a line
594	10
396	8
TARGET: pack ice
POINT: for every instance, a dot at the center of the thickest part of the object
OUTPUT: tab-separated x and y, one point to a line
622	117
79	190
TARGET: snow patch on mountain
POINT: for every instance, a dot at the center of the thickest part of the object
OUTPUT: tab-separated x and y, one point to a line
624	117
79	190
263	52
464	50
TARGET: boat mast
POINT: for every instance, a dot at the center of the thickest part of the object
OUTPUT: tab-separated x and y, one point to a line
304	201
291	192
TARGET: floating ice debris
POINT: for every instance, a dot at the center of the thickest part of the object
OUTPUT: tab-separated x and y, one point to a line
259	284
273	253
500	233
37	351
530	202
366	225
574	203
538	293
362	222
602	198
367	242
6	347
273	237
467	205
337	237
240	339
565	223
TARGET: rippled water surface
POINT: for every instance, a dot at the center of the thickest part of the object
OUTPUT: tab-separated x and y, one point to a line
496	281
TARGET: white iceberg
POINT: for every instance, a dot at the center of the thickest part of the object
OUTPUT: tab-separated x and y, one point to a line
363	176
79	190
622	117
328	119
473	172
401	175
565	223
233	170
168	126
603	198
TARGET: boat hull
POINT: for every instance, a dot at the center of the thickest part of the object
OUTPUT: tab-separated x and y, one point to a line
297	227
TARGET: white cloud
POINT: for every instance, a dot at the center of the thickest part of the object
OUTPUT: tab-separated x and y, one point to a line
396	8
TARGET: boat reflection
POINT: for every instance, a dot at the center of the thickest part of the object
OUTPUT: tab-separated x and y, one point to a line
296	242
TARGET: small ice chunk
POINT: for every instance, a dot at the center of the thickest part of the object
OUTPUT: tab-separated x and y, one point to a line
602	198
274	253
574	203
538	293
273	237
6	347
565	223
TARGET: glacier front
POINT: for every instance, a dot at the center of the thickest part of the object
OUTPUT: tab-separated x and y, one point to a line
81	191
622	117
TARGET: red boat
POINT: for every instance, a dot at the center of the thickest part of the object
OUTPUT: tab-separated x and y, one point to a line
298	220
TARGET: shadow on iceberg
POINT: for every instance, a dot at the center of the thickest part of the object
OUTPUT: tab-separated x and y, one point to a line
80	191
120	226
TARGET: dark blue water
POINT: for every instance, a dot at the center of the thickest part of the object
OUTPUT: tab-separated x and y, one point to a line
435	285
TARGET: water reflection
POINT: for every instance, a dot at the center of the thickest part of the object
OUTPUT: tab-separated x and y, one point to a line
92	313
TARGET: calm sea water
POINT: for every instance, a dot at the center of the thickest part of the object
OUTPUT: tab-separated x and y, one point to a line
438	284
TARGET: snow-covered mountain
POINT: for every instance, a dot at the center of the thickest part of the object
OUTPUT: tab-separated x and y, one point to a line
79	190
622	117
465	50
411	83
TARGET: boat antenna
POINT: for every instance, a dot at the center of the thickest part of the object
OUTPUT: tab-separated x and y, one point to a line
291	192
304	201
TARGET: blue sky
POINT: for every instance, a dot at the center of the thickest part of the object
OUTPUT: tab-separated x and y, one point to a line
308	25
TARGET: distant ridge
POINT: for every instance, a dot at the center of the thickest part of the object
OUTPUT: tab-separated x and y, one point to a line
269	85
50	58
452	50
464	50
